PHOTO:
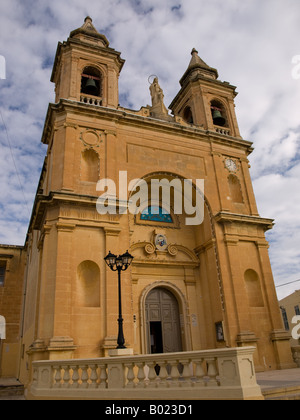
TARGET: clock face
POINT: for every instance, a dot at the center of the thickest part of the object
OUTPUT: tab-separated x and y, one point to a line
230	164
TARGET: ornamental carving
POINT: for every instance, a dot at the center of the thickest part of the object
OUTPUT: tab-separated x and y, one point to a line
91	139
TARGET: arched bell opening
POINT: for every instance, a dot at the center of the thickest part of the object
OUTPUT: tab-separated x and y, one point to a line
218	114
188	115
91	82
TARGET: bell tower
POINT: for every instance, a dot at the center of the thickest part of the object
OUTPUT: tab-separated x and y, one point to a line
205	101
86	69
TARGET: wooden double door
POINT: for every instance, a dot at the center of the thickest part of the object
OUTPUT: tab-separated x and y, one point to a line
163	322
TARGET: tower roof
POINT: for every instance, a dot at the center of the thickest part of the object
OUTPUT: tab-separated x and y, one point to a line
89	29
198	67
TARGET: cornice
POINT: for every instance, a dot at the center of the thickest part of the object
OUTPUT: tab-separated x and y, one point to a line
224	217
129	117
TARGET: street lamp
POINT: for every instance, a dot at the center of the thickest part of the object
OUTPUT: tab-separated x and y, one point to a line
120	263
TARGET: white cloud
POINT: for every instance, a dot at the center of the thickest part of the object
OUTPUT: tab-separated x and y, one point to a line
250	42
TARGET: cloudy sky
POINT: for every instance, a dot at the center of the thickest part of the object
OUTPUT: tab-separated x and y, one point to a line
254	44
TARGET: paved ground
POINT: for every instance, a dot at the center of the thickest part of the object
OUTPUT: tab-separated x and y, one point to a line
279	378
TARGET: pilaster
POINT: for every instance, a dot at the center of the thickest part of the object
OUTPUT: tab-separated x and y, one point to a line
61	343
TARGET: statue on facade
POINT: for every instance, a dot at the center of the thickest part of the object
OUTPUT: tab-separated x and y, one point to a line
158	109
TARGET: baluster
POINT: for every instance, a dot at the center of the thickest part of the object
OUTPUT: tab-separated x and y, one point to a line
199	373
93	377
186	374
212	372
75	377
175	375
103	377
66	376
141	375
84	376
163	374
152	375
57	377
130	375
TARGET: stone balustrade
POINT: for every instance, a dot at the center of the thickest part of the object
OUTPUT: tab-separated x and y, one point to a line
224	131
212	374
91	100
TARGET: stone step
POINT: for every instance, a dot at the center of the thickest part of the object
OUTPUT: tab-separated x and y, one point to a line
11	388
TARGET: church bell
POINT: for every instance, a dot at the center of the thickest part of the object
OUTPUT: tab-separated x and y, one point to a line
218	118
91	87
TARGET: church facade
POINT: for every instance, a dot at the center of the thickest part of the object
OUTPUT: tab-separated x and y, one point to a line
191	286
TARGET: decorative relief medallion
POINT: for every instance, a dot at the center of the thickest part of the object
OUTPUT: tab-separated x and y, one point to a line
91	138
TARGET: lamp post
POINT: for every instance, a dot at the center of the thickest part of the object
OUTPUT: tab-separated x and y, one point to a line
120	263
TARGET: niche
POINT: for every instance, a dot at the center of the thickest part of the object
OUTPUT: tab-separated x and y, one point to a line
89	166
235	189
253	288
87	288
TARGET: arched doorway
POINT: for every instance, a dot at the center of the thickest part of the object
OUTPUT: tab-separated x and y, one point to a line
163	322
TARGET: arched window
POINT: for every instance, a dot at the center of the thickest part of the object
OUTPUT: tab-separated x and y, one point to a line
87	288
218	114
91	82
89	166
253	288
156	214
235	189
188	115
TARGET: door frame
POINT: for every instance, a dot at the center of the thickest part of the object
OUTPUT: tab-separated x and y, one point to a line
183	315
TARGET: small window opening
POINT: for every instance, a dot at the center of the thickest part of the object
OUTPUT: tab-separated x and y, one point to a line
285	319
2	272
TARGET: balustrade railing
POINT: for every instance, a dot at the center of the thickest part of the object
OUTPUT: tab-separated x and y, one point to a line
224	131
211	374
90	100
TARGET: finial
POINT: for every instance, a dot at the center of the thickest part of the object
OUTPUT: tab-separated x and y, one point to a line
194	51
88	18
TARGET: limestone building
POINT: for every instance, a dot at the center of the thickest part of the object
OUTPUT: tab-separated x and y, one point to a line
190	287
290	308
